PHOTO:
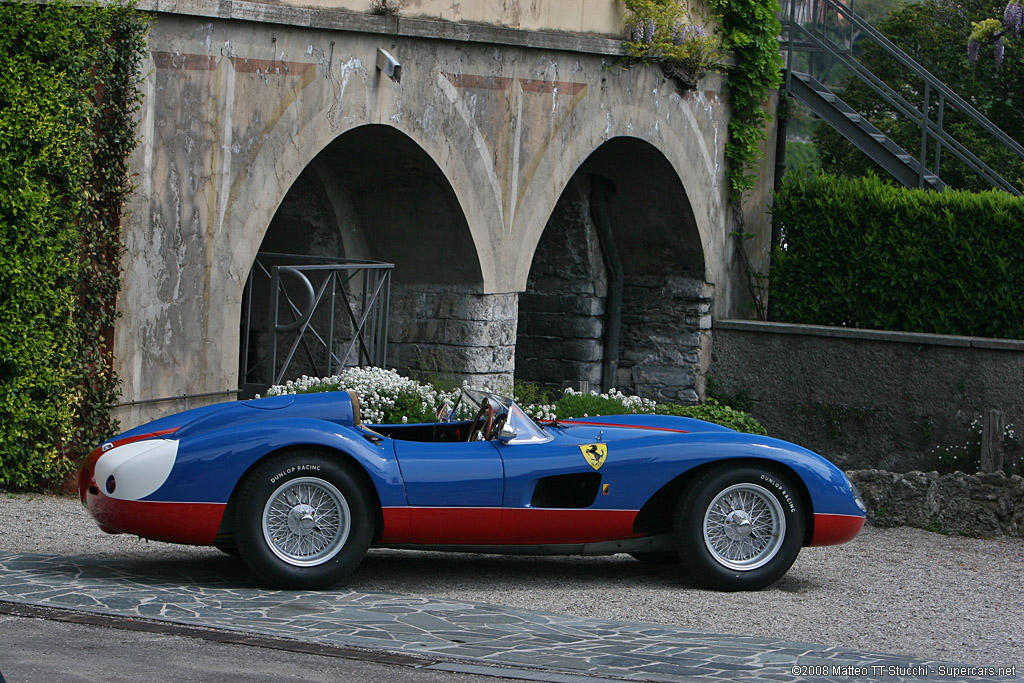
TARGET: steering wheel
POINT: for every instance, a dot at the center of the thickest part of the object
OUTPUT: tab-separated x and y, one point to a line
477	426
446	413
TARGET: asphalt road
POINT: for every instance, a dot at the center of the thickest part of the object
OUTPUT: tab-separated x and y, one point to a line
44	651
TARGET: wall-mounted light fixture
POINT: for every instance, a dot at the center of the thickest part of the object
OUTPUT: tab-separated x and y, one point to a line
389	66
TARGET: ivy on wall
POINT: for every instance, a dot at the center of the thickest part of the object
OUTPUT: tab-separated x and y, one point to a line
751	29
68	97
660	30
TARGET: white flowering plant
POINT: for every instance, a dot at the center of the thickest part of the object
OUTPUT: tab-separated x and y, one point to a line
966	457
385	396
389	398
580	404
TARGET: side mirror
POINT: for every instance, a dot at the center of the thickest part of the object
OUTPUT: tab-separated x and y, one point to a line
507	433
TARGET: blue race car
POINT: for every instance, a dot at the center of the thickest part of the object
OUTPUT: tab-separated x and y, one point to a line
300	488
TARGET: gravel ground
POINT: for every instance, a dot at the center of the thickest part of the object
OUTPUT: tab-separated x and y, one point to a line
902	591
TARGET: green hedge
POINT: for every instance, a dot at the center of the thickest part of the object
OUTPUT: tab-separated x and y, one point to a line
68	92
862	253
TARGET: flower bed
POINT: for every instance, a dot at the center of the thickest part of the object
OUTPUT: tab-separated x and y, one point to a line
389	398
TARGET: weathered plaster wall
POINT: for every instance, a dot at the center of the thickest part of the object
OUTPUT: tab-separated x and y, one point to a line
240	98
580	16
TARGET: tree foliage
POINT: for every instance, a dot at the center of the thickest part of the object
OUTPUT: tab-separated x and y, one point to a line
68	92
936	33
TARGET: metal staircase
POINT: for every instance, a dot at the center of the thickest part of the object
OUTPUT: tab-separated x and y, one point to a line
832	28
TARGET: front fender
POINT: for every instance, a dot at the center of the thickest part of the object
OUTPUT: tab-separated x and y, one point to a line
837	513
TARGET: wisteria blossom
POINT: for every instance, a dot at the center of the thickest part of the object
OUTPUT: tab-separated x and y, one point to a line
636	31
985	32
973	48
1013	17
682	33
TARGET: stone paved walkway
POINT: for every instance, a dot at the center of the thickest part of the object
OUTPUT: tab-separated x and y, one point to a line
466	634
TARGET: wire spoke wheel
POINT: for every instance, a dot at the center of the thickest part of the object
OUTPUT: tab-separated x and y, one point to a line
744	527
306	521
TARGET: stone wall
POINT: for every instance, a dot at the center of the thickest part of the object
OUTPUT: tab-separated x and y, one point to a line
666	337
974	505
665	318
562	311
453	331
869	399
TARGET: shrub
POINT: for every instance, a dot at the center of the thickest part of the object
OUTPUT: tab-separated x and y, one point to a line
862	253
713	411
661	30
66	102
577	404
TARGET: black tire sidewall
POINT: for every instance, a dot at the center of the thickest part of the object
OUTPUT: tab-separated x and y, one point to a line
689	523
267	478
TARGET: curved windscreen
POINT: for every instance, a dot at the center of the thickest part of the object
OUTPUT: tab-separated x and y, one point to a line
526	430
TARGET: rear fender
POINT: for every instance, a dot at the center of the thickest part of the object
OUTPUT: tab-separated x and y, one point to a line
210	465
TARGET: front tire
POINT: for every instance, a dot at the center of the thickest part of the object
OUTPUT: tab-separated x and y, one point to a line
303	521
740	528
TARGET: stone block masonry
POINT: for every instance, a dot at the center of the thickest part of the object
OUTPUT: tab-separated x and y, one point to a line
664	321
453	331
666	337
970	504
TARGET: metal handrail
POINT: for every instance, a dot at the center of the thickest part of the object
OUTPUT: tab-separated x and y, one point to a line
818	40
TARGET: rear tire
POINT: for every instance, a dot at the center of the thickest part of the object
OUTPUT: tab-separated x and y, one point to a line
303	520
740	528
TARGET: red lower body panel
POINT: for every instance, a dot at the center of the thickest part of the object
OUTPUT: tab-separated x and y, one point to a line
835	529
189	523
446	525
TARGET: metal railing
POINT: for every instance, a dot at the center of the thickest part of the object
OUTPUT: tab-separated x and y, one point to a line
831	27
334	310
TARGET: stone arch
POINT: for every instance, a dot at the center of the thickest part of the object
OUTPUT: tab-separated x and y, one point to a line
680	128
231	122
385	199
617	293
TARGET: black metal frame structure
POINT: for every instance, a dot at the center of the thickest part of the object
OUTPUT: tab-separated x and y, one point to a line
317	295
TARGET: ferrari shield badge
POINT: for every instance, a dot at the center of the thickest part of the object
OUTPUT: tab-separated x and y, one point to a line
595	454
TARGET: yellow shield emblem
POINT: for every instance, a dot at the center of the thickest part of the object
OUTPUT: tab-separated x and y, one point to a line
595	454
